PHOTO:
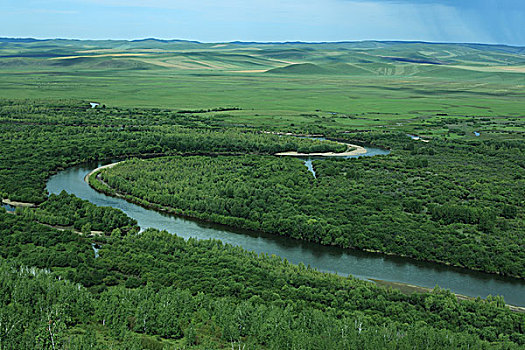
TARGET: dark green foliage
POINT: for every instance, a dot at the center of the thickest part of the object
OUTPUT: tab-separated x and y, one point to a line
40	137
212	293
174	314
222	270
38	311
457	206
67	210
33	244
155	290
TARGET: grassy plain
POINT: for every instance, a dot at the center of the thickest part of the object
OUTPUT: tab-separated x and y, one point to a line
287	87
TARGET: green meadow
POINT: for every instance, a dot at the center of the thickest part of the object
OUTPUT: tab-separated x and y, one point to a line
412	87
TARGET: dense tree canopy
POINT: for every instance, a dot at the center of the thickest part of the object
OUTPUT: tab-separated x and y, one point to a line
204	292
40	137
66	210
60	288
437	202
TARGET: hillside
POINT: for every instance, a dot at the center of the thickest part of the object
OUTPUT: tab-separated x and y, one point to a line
294	58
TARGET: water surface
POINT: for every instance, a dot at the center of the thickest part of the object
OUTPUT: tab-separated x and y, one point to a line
324	258
370	152
8	207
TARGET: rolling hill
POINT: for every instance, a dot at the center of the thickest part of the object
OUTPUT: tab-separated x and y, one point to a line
344	58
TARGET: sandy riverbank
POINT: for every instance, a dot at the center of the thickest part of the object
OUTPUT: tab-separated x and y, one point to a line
18	204
352	150
406	288
100	168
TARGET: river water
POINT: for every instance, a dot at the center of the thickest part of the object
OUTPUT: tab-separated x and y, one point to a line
324	258
8	207
370	152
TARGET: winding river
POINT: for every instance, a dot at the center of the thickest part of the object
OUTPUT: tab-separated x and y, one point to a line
324	258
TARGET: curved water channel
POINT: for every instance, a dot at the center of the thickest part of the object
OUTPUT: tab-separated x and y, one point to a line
324	258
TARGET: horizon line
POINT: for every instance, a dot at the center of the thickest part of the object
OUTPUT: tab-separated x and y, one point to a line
266	42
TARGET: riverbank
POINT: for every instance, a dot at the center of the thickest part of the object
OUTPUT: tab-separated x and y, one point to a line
409	289
325	258
107	166
94	180
406	288
352	150
19	204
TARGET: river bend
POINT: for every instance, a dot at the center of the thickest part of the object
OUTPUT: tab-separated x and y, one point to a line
324	258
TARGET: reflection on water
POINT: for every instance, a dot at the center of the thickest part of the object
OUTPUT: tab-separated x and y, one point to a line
96	249
370	152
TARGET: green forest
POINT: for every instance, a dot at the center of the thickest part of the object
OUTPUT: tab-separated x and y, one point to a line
79	276
156	291
40	137
452	202
67	211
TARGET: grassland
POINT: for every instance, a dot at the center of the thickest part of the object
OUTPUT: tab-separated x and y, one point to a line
428	89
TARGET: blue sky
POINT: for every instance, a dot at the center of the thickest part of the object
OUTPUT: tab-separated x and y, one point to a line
483	21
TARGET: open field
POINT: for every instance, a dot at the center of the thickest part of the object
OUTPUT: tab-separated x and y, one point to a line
411	87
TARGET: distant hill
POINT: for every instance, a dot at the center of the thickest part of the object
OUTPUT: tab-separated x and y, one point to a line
102	63
365	58
301	68
346	69
331	68
86	63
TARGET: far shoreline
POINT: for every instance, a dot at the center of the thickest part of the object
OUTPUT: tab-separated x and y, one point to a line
107	166
408	289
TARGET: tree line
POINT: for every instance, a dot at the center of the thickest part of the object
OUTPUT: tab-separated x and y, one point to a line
154	290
